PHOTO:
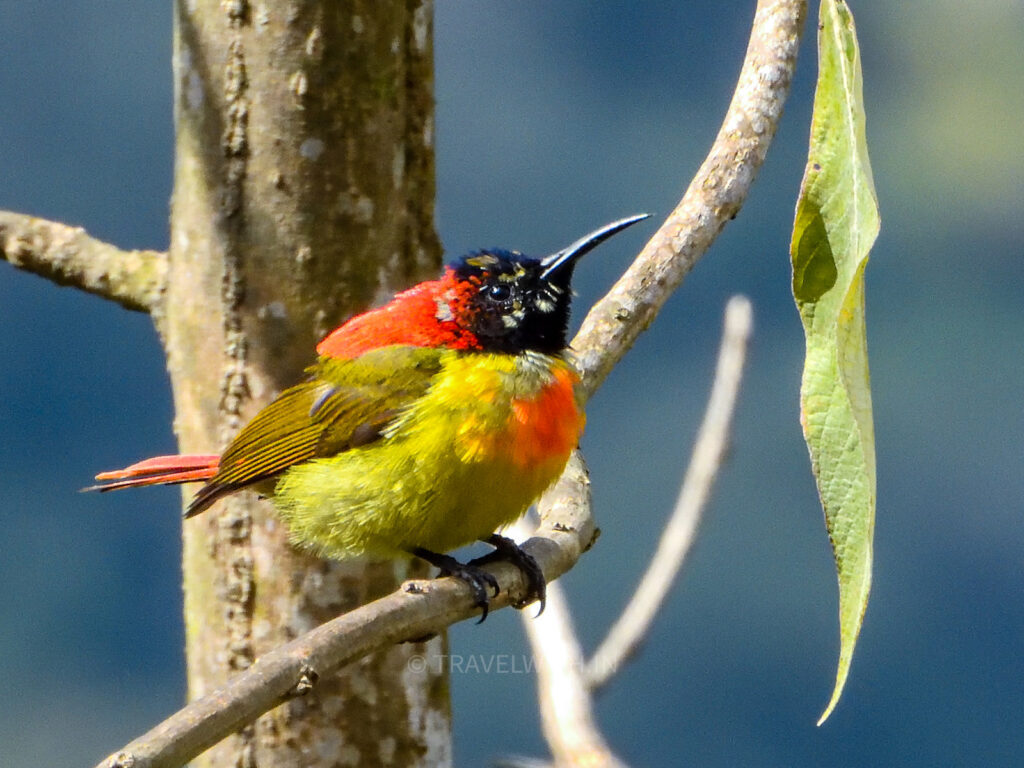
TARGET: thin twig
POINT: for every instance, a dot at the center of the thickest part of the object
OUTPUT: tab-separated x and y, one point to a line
708	453
68	256
713	198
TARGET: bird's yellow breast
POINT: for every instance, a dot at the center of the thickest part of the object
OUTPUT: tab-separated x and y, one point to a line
515	411
490	435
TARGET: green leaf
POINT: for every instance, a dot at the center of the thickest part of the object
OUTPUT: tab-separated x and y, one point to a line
836	224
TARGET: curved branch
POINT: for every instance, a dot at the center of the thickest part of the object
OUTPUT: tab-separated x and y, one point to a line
712	199
566	529
708	453
68	256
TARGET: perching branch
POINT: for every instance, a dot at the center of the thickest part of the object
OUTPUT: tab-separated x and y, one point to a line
708	453
713	198
68	256
566	529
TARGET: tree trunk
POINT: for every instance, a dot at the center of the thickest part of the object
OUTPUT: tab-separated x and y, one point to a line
303	193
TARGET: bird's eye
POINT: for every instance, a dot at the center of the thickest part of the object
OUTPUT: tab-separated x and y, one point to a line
499	291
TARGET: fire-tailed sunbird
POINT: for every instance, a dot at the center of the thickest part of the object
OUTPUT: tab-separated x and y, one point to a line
424	425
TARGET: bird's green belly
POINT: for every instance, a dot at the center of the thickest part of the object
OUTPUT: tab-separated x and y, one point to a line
337	505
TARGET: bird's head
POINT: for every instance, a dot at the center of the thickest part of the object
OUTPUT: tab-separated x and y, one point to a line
511	302
491	301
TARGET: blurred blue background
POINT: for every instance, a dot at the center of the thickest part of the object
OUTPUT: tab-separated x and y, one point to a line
553	118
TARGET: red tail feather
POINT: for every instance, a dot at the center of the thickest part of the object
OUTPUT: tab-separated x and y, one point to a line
160	470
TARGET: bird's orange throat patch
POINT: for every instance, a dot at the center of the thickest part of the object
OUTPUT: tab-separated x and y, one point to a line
545	428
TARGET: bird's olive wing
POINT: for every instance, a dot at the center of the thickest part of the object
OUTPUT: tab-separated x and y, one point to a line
343	404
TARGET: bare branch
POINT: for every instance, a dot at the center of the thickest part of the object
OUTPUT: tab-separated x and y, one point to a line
68	256
712	199
418	609
708	453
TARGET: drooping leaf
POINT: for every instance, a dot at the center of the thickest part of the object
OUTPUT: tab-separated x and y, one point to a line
836	224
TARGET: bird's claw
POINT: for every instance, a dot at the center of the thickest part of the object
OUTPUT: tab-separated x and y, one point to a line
477	579
506	549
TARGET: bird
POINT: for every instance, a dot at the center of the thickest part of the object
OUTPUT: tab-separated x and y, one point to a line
424	425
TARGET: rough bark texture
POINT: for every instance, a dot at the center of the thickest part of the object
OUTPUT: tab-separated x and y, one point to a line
303	193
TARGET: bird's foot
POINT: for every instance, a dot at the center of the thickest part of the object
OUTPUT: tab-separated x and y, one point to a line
506	549
478	579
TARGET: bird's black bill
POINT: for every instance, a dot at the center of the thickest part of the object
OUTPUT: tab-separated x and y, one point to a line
586	244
